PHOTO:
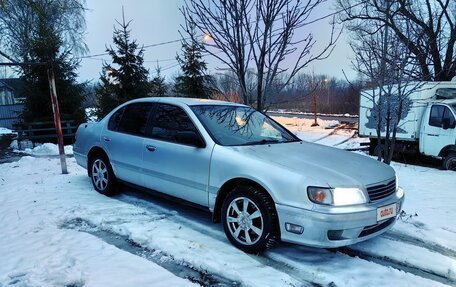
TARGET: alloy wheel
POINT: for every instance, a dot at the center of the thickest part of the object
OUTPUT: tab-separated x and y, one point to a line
100	174
245	221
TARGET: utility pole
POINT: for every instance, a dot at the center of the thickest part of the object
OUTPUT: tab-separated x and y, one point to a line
58	126
314	98
327	94
54	100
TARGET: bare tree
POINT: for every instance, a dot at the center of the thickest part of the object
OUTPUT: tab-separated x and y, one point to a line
427	29
19	18
258	35
383	59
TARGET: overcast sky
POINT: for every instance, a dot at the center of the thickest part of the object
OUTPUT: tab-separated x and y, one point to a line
156	21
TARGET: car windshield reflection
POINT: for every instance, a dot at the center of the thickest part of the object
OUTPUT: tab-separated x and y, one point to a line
239	125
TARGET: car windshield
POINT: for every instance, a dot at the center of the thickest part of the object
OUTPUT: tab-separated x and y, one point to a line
237	125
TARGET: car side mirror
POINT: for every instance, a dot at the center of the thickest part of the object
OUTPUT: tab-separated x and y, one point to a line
446	124
190	138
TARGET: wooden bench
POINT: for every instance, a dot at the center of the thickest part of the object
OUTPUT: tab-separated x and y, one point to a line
44	131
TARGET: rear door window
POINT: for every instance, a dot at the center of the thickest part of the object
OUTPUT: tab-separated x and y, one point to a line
134	119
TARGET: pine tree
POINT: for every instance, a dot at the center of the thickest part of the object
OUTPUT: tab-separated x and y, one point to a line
158	85
125	78
194	82
46	46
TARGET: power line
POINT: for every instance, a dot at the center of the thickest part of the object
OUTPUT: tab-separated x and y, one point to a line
143	47
179	40
165	43
170	67
162	60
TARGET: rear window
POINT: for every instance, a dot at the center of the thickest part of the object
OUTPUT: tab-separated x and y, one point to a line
114	121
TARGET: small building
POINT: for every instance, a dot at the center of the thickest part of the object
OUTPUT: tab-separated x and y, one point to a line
11	101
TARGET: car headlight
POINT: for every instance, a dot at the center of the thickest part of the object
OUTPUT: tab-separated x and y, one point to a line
336	196
348	196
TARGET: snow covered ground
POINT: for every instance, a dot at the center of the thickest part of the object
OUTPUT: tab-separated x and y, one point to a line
45	149
292	112
57	231
5	131
327	132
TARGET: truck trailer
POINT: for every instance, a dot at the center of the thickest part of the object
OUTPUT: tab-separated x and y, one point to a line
429	126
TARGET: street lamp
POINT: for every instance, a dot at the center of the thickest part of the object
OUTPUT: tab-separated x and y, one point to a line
314	93
207	37
327	93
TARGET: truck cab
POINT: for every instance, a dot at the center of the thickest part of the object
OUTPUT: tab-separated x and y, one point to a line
438	132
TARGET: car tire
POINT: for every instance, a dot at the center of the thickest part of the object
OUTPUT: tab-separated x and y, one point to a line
253	227
102	175
449	162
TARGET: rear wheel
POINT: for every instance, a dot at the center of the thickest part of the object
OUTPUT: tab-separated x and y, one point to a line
102	176
449	162
249	219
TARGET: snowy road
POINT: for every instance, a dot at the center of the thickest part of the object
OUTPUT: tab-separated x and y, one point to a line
57	231
341	118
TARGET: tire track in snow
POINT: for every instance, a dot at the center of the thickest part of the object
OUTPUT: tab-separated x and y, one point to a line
396	264
345	140
434	247
331	133
203	224
181	269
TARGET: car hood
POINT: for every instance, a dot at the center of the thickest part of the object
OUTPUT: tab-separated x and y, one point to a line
338	168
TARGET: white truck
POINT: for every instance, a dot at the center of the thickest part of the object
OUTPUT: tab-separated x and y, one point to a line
428	128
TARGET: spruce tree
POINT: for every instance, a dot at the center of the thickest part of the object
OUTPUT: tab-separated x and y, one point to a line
46	47
193	82
125	78
157	84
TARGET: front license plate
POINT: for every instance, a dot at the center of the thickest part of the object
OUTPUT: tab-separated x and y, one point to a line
386	212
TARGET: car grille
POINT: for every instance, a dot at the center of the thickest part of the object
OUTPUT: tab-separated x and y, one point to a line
381	191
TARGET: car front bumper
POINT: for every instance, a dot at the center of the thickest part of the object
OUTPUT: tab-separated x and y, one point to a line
330	227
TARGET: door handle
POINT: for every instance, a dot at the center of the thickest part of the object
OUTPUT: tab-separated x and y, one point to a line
106	139
432	135
151	148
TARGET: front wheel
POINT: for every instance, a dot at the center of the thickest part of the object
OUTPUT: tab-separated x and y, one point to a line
102	176
449	162
249	219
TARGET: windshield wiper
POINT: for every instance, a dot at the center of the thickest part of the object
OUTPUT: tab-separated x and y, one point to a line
263	141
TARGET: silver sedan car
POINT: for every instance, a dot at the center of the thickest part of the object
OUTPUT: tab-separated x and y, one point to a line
256	177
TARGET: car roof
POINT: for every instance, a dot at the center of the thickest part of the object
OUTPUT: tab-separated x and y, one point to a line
185	101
